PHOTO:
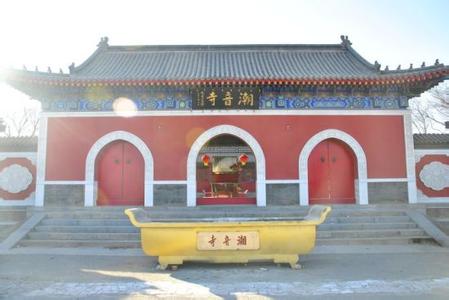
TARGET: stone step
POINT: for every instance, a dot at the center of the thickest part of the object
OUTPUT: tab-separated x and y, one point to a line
127	227
437	212
443	224
6	228
7	223
199	213
5	231
365	226
49	209
362	234
122	221
441	220
12	215
78	235
332	219
86	229
86	222
82	236
9	210
445	229
367	219
377	241
136	243
111	244
87	215
285	213
361	213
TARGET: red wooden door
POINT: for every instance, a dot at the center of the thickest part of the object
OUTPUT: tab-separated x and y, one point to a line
331	173
109	167
319	174
120	175
341	172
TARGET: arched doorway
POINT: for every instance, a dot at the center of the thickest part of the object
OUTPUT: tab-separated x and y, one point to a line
208	135
90	186
119	172
361	189
226	172
332	172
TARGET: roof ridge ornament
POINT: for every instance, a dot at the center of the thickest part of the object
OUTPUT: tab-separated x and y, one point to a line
72	68
103	42
377	65
345	42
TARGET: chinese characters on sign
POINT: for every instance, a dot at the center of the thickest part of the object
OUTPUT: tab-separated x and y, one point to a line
228	240
212	240
225	98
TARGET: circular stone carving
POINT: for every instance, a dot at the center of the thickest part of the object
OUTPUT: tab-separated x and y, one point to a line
15	178
435	175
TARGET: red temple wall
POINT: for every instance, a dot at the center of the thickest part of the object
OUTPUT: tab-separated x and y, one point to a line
169	139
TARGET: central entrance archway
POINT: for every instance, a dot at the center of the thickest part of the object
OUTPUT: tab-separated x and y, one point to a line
226	172
239	133
332	170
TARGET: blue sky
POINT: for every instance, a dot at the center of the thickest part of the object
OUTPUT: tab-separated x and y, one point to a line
57	33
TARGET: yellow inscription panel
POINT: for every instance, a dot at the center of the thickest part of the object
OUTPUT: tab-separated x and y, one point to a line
241	240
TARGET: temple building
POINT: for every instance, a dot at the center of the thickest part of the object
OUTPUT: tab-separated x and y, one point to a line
225	124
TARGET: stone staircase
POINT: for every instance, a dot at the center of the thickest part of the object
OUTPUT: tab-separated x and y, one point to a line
94	227
378	226
110	228
440	216
10	219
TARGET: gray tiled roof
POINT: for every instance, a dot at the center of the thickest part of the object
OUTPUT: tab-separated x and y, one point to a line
434	140
227	62
210	62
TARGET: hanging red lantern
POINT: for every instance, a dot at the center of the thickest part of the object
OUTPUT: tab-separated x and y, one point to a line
243	159
205	159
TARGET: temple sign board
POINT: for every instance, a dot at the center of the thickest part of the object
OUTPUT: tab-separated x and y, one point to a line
237	240
210	97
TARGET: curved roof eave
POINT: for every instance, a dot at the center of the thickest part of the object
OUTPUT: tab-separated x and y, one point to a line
288	63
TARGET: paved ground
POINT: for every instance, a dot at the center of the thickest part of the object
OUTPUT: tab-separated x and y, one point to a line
383	273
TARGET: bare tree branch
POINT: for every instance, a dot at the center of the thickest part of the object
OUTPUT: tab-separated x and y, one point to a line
21	123
431	111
